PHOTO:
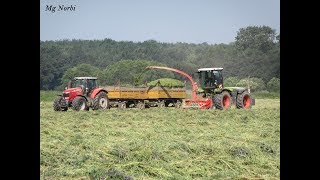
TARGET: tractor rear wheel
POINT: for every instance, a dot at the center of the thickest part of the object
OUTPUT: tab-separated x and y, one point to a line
100	101
57	106
222	101
79	103
244	100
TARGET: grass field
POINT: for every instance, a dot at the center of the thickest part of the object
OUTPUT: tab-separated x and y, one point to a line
160	143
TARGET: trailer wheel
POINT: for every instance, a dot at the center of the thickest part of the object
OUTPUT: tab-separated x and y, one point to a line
161	104
244	100
79	104
122	105
141	105
223	100
178	104
100	101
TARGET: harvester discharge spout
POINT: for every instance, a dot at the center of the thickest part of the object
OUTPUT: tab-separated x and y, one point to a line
194	102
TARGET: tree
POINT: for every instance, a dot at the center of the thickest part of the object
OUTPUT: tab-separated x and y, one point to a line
255	53
133	72
78	71
274	85
231	81
255	84
255	37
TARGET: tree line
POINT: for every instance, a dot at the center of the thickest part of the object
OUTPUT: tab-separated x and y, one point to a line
255	53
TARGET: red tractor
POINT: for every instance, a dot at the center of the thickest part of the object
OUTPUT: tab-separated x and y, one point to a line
81	94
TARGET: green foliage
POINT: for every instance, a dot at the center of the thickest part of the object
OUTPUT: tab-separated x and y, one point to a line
161	143
254	53
133	72
266	95
231	81
168	82
255	84
78	71
49	96
261	38
274	85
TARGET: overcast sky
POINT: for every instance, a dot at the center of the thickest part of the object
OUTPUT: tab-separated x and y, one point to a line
190	21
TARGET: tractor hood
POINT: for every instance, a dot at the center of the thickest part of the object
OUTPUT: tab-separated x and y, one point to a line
71	93
72	90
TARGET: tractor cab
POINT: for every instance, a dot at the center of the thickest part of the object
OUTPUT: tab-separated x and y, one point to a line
210	78
87	84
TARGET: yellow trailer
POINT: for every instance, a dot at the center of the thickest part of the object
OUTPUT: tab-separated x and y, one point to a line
142	97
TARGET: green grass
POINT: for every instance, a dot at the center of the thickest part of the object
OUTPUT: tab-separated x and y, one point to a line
49	95
160	143
168	82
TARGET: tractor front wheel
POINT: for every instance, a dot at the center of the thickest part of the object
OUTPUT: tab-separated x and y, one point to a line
244	100
57	105
79	104
222	101
100	101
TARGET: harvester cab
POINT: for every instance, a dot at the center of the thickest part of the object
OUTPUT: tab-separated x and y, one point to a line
210	78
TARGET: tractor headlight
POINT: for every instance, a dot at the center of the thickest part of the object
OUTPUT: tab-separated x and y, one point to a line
66	94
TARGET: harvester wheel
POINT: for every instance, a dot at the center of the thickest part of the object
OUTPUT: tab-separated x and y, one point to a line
100	101
56	104
223	100
79	103
244	100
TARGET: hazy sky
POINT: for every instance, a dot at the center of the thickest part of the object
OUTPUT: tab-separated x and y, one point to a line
190	21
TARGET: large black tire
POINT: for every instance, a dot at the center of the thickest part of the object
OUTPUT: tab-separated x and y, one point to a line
56	104
100	101
223	100
79	104
244	100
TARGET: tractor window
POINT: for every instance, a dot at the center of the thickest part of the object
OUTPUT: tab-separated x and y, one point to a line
92	84
95	83
79	83
218	77
205	78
